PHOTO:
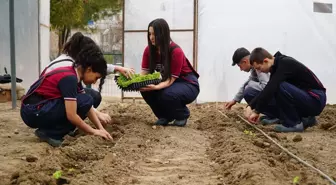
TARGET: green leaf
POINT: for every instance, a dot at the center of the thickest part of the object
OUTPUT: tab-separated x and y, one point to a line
125	82
296	180
57	174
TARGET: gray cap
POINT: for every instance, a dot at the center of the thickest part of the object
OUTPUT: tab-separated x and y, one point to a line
239	54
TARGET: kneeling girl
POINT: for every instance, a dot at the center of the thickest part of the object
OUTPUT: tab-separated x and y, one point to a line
55	104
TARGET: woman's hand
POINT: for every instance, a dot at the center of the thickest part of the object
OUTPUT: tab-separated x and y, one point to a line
150	87
103	133
161	85
128	72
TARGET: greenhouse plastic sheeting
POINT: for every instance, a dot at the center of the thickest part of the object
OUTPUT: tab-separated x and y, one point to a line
26	39
178	13
138	14
296	28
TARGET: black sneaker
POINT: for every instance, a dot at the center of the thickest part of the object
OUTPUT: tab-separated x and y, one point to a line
74	133
309	121
265	120
43	137
180	123
296	128
162	122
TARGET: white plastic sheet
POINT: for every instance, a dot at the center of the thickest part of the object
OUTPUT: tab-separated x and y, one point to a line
289	26
44	33
26	39
137	17
178	13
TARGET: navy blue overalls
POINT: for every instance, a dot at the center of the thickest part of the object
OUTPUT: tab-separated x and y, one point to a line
49	115
170	103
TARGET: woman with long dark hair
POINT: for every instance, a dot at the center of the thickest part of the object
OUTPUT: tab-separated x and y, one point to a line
179	85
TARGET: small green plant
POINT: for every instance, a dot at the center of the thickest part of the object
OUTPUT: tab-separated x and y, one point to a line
296	180
57	174
248	132
137	78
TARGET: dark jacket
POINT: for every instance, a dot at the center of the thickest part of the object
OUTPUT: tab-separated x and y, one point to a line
286	69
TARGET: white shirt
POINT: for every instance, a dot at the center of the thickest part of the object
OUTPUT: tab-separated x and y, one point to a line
53	64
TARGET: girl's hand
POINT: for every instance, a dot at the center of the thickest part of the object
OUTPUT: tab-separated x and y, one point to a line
128	72
104	118
150	87
103	133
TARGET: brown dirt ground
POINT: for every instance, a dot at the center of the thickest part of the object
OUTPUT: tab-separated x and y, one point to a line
212	150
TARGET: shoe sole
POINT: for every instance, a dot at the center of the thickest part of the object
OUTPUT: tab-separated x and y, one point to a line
46	139
180	125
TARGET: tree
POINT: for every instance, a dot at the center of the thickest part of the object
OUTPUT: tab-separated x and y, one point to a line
68	14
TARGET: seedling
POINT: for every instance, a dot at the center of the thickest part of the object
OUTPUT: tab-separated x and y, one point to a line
57	174
137	81
296	180
71	170
247	132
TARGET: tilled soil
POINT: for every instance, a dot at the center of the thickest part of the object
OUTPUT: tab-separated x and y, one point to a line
213	149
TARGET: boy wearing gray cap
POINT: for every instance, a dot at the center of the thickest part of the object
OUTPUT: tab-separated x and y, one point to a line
252	86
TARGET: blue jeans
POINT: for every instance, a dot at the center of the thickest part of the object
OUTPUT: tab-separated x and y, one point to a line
170	103
51	117
294	103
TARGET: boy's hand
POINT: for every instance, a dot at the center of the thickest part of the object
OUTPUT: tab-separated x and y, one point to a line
253	118
248	112
230	104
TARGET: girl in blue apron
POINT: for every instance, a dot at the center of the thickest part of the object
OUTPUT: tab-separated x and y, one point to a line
56	103
67	58
179	85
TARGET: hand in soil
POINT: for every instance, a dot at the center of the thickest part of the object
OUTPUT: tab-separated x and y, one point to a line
103	133
230	104
253	118
104	118
247	112
250	115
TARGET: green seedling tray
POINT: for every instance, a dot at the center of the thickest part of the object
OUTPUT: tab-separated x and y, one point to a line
137	81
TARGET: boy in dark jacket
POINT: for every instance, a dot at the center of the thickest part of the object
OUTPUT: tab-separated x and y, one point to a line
299	94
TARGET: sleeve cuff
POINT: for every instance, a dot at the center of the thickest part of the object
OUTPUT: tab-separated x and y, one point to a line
70	99
175	76
110	68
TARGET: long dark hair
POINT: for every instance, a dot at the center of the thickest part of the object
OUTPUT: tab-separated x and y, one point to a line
86	53
162	41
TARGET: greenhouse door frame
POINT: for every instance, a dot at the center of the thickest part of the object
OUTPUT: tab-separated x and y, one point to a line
195	40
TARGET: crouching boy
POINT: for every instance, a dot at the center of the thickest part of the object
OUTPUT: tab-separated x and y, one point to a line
298	93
